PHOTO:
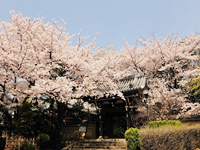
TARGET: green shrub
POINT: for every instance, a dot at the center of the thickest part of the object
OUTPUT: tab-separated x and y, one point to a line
118	131
133	139
27	146
42	140
155	124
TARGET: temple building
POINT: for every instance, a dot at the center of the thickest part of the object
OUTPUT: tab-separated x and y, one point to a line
115	113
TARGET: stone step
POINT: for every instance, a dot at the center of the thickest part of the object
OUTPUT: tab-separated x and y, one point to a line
101	144
98	144
93	149
111	148
97	148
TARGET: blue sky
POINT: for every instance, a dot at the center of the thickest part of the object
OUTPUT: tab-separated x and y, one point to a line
113	19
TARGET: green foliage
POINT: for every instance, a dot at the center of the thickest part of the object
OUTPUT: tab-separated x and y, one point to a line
27	146
119	126
5	118
118	131
42	140
195	89
195	83
155	124
30	123
26	123
133	139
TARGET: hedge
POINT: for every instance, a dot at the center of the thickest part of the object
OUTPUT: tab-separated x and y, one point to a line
167	138
155	124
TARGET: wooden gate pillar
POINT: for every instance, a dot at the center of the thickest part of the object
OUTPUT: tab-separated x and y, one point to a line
127	117
100	123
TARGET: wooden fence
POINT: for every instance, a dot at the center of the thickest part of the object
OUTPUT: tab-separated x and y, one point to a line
15	140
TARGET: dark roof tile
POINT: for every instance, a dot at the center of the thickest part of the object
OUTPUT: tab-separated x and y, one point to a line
130	83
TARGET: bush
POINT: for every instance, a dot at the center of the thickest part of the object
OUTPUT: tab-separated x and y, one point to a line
27	146
118	131
133	139
42	140
155	124
170	137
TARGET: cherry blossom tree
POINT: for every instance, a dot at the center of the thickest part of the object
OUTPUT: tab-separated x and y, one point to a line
39	57
36	51
168	64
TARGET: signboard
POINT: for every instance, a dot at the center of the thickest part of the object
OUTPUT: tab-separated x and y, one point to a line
34	109
82	129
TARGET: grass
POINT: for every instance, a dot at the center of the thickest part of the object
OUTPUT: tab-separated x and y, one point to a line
171	137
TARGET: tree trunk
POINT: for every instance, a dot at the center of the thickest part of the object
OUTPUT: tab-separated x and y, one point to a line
60	116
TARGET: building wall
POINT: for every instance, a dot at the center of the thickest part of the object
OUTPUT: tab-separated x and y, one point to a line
71	131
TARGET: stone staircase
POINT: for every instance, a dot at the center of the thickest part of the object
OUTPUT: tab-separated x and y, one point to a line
98	144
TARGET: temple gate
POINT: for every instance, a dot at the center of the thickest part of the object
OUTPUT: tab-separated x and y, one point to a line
114	112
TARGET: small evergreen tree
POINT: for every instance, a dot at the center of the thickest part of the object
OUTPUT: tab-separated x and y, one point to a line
133	139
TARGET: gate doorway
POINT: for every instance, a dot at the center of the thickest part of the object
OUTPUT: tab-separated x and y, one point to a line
114	125
119	126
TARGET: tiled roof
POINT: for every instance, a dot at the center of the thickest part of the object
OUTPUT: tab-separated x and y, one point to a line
130	83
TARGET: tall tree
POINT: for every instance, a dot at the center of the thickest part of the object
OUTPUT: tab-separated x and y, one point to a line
167	63
41	55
